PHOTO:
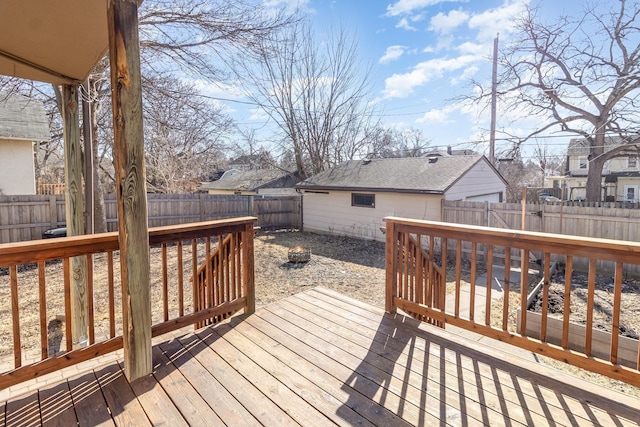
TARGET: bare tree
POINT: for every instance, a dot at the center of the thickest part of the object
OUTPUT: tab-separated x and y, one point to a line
198	37
398	143
317	94
184	135
580	75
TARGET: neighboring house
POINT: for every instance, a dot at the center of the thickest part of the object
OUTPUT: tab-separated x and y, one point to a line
353	198
620	176
265	181
23	122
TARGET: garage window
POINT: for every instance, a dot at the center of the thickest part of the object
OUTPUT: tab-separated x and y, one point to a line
363	200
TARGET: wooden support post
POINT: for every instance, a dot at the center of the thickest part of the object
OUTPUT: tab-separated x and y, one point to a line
391	254
248	266
124	58
75	211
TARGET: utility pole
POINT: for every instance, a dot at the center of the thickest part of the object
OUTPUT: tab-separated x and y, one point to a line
494	89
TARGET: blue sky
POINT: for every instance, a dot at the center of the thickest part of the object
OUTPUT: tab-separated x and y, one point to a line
423	54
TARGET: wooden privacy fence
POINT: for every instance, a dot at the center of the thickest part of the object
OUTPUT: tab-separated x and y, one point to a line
405	289
36	304
601	220
27	217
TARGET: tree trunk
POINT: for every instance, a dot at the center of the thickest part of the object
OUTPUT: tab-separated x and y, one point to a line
596	162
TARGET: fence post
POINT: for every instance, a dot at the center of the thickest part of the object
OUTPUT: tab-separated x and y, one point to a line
53	210
201	207
301	210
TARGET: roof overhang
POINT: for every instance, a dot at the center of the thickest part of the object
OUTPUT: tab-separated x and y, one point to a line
367	189
57	42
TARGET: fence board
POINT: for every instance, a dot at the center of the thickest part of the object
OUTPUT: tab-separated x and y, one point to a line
594	220
27	217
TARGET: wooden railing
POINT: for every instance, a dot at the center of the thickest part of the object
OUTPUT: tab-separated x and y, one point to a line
464	252
218	277
50	188
35	291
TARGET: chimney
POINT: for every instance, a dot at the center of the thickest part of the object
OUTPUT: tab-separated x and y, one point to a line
448	149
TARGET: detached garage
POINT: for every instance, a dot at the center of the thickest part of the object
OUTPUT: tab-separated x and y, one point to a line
353	198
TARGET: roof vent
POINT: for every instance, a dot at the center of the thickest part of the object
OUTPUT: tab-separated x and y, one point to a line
366	161
433	159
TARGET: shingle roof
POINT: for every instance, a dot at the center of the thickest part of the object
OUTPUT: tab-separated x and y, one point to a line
23	118
414	174
248	180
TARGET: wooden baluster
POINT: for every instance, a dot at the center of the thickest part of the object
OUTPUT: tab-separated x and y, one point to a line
487	304
227	260
195	284
391	267
458	277
209	274
66	271
165	284
42	300
90	302
524	289
110	284
506	290
591	290
615	316
180	279
545	296
472	285
232	266
568	277
15	316
419	272
442	286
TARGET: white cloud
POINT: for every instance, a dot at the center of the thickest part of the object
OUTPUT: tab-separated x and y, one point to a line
407	6
402	85
466	75
286	4
436	117
469	48
392	53
444	24
501	19
404	24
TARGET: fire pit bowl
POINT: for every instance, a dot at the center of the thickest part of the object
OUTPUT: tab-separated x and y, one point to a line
298	254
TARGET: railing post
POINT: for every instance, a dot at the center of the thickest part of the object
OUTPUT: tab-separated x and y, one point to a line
248	269
391	256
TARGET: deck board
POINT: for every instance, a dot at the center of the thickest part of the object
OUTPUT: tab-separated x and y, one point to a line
321	358
56	406
90	406
464	390
184	395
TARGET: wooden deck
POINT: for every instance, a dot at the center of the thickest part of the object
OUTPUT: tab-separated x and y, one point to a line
320	358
